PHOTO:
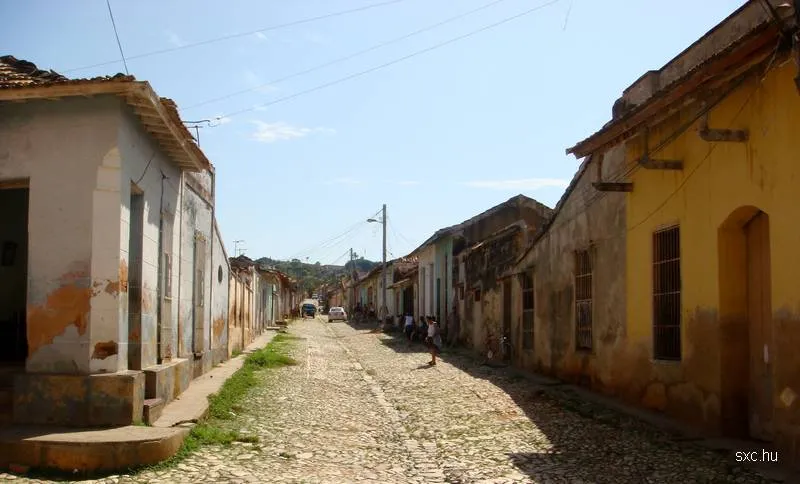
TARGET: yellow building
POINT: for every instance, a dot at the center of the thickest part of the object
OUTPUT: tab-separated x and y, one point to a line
712	189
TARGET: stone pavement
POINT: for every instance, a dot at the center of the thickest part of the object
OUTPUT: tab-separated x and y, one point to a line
363	407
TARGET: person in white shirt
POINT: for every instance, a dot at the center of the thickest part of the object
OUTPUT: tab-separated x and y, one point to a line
434	339
408	326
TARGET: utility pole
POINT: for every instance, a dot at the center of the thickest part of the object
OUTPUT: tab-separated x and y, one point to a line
352	282
385	308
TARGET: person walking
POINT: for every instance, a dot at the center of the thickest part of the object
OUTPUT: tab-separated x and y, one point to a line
434	339
408	327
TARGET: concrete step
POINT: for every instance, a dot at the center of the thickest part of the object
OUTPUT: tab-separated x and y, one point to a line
82	450
152	410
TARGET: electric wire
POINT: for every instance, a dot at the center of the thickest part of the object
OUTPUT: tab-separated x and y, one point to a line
119	44
392	62
350	229
581	209
347	57
241	34
335	246
593	196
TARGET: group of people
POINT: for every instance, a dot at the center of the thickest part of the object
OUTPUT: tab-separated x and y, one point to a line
429	329
367	312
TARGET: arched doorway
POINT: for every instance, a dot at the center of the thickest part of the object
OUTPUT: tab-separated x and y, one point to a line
746	345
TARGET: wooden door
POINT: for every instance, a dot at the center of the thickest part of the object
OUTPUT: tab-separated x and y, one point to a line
760	321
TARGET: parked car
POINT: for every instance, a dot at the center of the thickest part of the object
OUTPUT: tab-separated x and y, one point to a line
337	314
309	310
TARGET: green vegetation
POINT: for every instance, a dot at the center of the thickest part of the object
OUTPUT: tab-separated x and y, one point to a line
312	276
225	404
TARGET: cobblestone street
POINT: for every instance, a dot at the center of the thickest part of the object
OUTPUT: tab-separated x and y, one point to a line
364	407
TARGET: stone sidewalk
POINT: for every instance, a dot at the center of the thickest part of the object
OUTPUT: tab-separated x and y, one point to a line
192	405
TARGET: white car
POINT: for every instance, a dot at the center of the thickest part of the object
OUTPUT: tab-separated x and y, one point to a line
337	314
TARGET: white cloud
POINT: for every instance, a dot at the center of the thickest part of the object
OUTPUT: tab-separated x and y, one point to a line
408	182
261	36
344	181
175	39
220	119
520	184
283	131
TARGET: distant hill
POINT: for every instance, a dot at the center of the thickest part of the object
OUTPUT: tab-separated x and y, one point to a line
312	276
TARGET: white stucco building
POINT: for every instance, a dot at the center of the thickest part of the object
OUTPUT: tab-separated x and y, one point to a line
115	277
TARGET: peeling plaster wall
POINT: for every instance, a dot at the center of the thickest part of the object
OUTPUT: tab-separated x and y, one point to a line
60	147
145	165
196	218
482	268
710	386
425	303
479	322
576	227
220	276
235	313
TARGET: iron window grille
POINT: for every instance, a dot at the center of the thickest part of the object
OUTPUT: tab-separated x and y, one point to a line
667	294
527	311
583	299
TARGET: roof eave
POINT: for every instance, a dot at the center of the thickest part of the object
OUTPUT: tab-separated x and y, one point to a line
154	116
619	130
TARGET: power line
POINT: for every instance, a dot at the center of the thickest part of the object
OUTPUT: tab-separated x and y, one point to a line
392	62
333	240
325	244
396	233
119	44
242	34
348	57
701	162
346	240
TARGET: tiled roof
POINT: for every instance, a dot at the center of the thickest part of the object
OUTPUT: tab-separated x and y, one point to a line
17	73
743	34
20	79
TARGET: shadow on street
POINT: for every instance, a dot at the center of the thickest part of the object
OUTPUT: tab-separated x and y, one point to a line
606	444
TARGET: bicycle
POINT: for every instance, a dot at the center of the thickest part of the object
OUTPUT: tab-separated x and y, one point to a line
505	352
506	349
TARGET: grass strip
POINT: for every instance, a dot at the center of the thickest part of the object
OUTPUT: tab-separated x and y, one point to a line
224	404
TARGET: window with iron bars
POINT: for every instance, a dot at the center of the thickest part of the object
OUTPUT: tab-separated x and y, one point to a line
527	310
667	294
583	300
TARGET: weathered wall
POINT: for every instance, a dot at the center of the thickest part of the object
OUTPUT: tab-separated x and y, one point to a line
37	141
483	266
426	264
717	192
586	220
235	332
219	299
142	164
193	329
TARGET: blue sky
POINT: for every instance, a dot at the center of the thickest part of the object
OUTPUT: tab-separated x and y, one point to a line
439	137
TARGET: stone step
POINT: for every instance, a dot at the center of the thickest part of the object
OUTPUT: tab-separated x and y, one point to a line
152	409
